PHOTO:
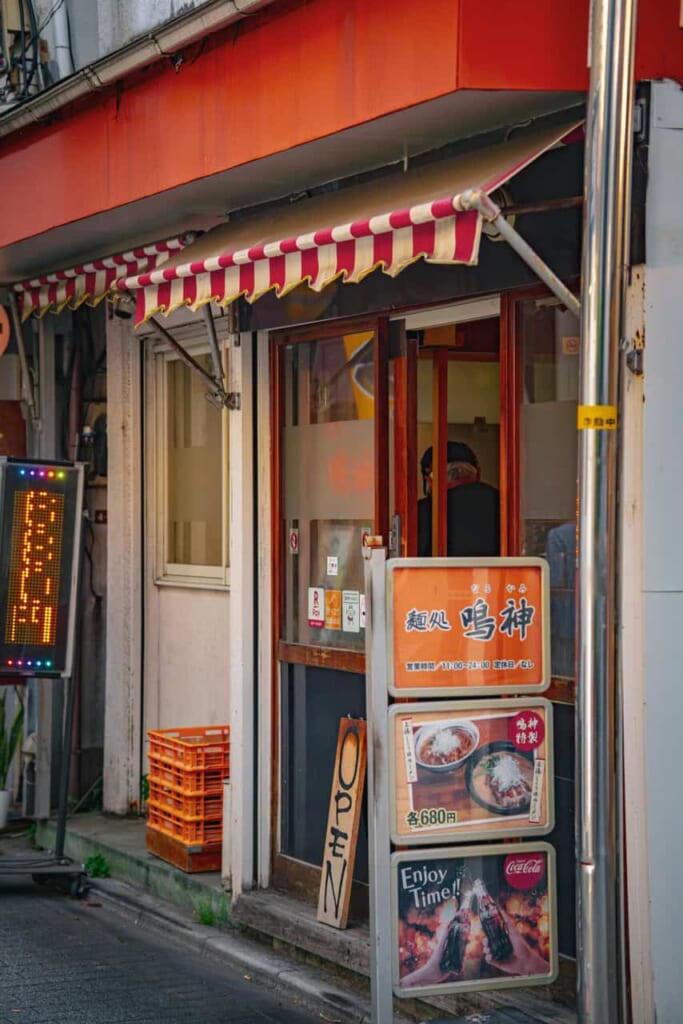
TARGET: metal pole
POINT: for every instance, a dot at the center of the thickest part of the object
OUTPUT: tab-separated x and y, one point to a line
378	787
213	342
184	356
606	199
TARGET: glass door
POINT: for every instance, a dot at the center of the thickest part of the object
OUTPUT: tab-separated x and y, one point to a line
447	440
332	493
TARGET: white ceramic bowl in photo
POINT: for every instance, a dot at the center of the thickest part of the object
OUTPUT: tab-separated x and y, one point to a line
426	732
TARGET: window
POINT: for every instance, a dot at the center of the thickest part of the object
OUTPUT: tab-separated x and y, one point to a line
328	475
192	510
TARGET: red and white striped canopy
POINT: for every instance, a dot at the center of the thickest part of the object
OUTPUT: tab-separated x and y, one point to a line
428	219
91	282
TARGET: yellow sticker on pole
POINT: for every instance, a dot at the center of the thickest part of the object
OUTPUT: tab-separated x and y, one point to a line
596	417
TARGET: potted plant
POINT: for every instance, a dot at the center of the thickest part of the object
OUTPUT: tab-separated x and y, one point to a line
9	743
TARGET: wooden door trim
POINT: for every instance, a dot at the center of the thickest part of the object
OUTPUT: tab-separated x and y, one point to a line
321	657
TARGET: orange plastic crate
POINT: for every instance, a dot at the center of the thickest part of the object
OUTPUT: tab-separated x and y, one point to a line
198	806
184	780
186	830
195	748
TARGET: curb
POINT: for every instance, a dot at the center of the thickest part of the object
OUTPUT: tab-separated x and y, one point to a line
306	985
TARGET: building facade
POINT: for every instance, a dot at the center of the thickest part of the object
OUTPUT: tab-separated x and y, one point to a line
271	176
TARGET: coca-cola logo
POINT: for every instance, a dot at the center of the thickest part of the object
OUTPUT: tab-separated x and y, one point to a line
524	871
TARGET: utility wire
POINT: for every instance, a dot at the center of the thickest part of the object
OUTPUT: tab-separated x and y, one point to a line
50	15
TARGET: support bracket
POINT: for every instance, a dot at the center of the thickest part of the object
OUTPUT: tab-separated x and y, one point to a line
492	213
216	395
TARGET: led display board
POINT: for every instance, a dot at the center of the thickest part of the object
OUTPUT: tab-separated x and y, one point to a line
40	525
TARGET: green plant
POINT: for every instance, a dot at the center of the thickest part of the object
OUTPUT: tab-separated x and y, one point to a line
9	738
205	913
97	866
144	789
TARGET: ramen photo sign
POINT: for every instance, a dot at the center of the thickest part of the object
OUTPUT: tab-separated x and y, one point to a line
467	626
470	770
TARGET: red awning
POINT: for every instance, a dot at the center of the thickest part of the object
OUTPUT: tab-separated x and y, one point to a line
429	219
91	282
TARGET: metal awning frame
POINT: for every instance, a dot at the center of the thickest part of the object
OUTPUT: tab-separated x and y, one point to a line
472	199
492	214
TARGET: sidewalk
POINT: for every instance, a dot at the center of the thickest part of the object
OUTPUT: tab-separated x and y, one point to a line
276	938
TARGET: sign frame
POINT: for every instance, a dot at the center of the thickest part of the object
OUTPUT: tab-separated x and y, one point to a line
450	688
486	984
43	468
462	834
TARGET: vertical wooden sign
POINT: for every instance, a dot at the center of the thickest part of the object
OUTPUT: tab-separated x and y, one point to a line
341	835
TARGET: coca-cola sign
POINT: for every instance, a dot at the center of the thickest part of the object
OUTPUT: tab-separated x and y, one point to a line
524	871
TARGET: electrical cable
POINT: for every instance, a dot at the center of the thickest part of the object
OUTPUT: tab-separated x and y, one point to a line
3	50
35	44
91	563
24	87
50	15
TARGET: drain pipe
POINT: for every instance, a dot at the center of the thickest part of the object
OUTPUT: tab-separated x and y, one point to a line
607	200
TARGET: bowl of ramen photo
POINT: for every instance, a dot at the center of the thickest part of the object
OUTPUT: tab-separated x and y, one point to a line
500	778
444	746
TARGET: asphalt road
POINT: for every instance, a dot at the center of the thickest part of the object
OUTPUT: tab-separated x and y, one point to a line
65	961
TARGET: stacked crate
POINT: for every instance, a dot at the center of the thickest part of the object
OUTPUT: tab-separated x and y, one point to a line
187	768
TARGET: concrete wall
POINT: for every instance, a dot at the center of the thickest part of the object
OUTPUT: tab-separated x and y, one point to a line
663	550
99	27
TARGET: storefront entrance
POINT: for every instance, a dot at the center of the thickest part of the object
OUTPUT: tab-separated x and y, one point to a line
377	425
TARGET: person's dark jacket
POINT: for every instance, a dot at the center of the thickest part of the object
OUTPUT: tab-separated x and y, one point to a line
473	512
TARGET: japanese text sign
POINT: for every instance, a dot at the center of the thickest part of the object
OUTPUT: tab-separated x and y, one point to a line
464	624
473	918
469	770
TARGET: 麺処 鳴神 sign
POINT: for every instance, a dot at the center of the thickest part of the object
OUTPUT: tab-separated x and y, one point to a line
478	626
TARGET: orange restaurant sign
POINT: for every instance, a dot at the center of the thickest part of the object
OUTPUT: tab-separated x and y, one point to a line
468	625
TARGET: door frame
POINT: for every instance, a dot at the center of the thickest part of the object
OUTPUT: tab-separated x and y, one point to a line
297	876
287	872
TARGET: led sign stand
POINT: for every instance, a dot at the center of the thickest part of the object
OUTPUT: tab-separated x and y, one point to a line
40	529
41	514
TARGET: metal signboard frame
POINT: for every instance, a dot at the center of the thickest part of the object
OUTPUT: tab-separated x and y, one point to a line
452	671
65	480
509	826
456	853
32	661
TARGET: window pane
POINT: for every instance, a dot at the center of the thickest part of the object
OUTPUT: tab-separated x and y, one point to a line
327	487
194	478
548	459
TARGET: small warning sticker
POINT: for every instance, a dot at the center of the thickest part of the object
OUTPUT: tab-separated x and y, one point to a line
596	417
333	609
351	611
316	607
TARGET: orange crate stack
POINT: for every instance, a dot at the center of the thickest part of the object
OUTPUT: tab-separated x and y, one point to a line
184	781
192	749
186	772
195	807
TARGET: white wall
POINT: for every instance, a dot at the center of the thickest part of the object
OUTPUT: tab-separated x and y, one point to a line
187	652
663	542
